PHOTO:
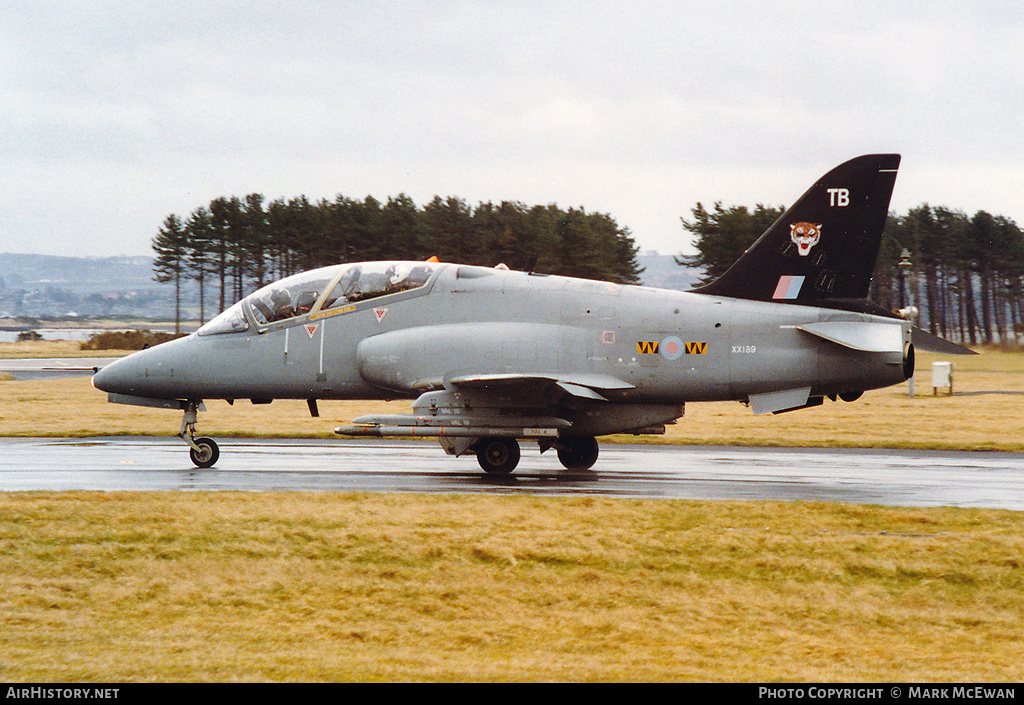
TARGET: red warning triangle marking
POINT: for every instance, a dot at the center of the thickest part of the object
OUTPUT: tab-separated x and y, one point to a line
380	313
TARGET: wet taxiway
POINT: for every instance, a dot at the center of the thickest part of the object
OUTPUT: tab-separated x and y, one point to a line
52	367
888	477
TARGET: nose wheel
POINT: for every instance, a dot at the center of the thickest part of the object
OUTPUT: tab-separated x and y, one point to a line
203	451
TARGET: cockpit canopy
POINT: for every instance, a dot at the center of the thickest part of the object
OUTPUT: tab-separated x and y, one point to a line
319	290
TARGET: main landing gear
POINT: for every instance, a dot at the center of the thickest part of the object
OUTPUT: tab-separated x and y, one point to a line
577	452
500	456
203	451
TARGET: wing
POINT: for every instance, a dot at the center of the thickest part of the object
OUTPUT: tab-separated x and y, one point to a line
595	387
526	405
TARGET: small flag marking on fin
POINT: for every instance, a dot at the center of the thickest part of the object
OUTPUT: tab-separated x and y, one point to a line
788	287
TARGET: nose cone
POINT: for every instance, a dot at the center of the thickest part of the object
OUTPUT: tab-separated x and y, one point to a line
157	373
118	377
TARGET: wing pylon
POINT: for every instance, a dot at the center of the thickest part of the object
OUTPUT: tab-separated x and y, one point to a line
491	405
527	406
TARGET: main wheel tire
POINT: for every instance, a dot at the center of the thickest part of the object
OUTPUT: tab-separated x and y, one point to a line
207	454
498	456
577	452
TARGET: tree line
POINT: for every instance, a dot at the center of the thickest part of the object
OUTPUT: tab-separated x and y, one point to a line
964	273
233	246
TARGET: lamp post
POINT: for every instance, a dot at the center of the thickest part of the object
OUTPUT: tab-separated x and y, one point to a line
906	266
903	266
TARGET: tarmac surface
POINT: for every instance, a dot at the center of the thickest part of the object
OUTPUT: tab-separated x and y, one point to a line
52	367
886	477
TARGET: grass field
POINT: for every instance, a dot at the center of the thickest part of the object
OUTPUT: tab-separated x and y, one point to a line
52	348
119	587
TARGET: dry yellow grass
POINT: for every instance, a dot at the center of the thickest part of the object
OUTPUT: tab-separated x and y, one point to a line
52	348
983	414
72	407
119	587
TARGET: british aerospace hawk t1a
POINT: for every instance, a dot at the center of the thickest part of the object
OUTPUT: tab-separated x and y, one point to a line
491	356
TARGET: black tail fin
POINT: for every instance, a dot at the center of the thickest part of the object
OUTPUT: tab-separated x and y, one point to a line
824	247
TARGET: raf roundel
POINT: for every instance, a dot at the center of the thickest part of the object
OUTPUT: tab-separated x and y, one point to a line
671	348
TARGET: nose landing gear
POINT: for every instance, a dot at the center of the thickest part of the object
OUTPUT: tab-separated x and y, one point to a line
203	451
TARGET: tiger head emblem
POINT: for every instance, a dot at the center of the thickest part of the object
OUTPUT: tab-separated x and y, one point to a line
805	236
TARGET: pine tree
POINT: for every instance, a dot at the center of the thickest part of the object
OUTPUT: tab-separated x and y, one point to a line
723	235
171	260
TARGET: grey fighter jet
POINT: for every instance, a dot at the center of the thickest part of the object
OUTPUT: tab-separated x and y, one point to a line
491	356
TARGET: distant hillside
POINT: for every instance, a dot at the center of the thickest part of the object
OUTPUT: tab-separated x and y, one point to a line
45	286
663	272
77	273
55	287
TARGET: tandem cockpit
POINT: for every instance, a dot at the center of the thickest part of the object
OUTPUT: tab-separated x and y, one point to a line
321	293
181	374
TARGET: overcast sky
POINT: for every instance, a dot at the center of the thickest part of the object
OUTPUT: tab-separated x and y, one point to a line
114	115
